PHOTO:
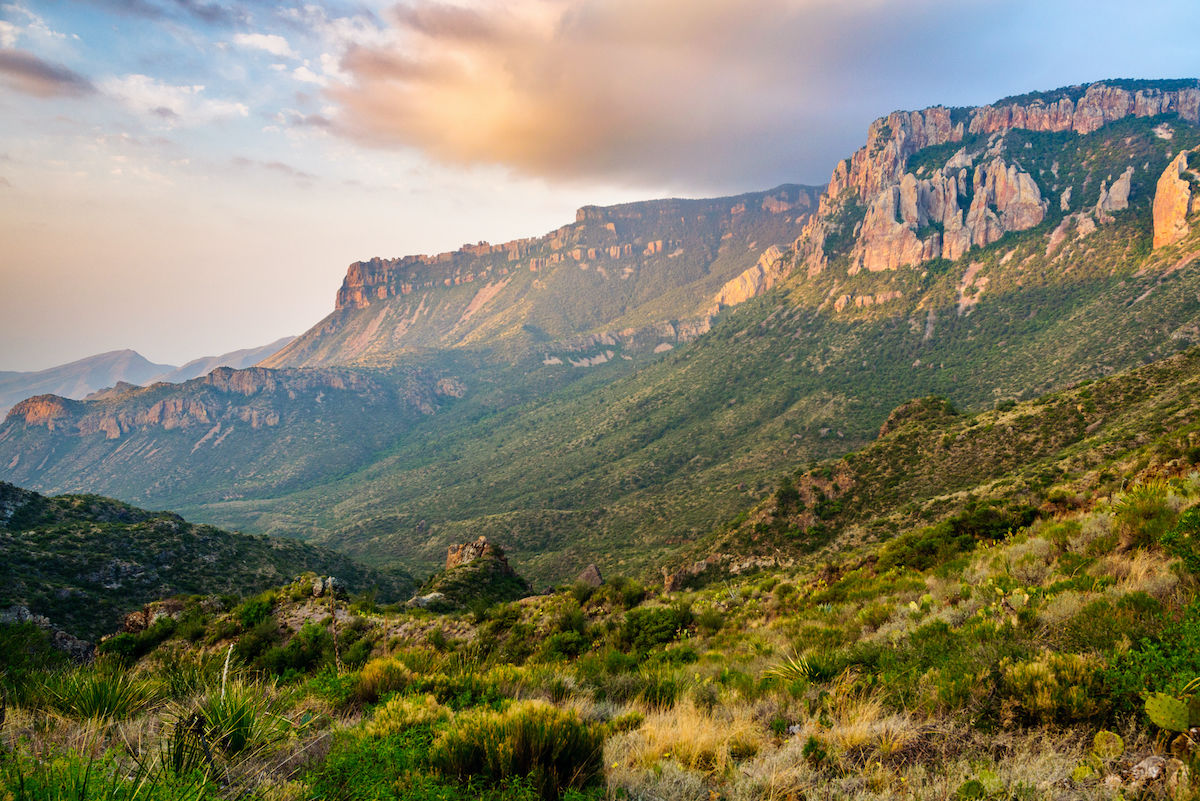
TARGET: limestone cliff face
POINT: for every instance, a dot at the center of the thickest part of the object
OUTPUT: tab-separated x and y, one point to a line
255	397
754	281
975	198
1172	203
602	275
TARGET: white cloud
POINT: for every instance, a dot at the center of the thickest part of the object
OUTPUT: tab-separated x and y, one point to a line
271	43
308	76
171	106
8	34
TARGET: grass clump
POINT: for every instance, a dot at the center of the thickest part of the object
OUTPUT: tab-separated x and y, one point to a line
552	747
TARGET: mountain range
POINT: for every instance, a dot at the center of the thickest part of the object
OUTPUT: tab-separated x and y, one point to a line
82	377
619	389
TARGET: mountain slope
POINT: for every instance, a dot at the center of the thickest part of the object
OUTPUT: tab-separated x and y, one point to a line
628	462
85	561
78	378
641	275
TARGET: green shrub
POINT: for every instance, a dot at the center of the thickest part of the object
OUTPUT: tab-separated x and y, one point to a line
255	610
660	688
309	649
1183	540
25	652
73	776
240	718
553	748
646	627
381	677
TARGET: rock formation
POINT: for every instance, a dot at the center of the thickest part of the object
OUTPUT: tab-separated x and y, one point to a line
590	576
467	552
899	204
1172	203
1002	199
753	282
1115	197
254	397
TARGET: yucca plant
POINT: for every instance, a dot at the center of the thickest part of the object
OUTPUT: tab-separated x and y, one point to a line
240	718
791	670
98	694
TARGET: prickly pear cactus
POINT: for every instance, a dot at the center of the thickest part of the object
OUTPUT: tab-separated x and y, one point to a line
1168	712
1107	746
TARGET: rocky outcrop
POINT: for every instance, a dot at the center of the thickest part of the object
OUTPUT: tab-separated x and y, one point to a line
77	650
467	552
753	282
1116	197
1002	199
1097	105
1172	203
151	613
590	577
254	397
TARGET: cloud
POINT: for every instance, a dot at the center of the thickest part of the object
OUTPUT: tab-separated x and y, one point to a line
211	13
171	105
27	73
278	167
8	34
271	43
704	93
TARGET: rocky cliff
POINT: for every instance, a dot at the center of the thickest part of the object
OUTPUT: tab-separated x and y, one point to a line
638	276
898	218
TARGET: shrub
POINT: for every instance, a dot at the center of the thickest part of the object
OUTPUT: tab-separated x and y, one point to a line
647	627
711	620
402	712
660	688
1143	514
25	650
1183	541
240	718
379	677
255	610
551	747
1053	687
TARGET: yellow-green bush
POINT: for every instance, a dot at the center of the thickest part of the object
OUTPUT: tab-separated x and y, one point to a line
402	712
1052	687
552	747
380	677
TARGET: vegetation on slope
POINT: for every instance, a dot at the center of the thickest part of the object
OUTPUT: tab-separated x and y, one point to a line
1036	662
84	561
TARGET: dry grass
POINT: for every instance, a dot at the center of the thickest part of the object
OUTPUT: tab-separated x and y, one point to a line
707	743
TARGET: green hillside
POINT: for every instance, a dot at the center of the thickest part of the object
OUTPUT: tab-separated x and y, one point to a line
85	561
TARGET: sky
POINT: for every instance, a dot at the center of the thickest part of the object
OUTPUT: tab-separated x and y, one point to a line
190	177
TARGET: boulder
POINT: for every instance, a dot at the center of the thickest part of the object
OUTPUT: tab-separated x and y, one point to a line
590	576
